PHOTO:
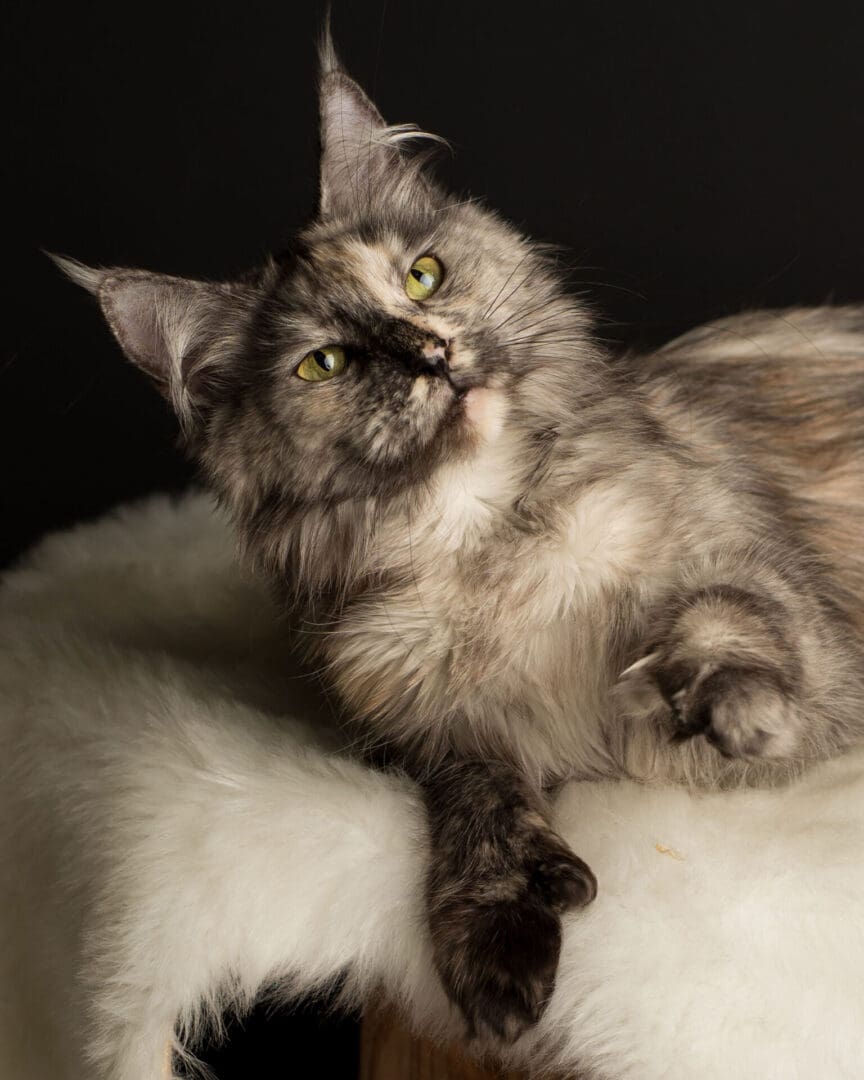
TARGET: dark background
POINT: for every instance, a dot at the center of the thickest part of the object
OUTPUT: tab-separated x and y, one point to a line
696	157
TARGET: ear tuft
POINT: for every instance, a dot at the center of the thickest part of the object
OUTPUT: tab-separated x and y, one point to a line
88	277
328	60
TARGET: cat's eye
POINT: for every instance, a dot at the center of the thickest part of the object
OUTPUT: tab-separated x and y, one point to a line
322	364
424	278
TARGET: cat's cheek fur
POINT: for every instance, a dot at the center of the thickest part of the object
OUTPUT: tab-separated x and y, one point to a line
486	411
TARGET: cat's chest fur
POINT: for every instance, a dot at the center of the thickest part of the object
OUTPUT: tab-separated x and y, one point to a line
501	633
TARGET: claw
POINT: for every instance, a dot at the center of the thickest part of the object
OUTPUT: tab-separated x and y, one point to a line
635	689
644	662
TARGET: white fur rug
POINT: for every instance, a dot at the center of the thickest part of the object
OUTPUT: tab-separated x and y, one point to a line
168	839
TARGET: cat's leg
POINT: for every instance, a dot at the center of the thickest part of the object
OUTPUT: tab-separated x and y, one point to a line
753	662
499	879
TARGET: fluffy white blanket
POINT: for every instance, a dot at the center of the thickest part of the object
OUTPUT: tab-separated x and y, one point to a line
169	840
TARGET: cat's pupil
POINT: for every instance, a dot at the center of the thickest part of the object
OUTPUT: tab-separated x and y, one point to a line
324	360
424	279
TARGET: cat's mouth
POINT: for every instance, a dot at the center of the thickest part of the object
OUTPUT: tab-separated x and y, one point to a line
465	407
459	385
475	407
460	382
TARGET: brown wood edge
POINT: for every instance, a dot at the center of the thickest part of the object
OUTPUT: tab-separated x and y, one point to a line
390	1051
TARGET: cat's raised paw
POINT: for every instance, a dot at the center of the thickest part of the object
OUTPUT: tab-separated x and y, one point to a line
743	711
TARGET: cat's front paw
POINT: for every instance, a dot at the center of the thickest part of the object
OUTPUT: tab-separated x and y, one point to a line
745	711
496	938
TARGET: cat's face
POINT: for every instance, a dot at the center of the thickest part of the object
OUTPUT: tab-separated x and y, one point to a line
379	353
404	330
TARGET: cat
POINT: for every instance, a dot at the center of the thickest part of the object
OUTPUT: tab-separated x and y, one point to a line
517	557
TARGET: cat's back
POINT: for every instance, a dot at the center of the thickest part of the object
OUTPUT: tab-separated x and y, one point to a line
785	390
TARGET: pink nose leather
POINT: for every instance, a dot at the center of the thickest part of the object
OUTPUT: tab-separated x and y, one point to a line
434	350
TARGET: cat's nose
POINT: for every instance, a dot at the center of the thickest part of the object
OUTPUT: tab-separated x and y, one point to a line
435	351
435	357
423	353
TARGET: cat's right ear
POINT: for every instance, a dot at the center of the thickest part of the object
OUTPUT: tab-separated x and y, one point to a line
185	334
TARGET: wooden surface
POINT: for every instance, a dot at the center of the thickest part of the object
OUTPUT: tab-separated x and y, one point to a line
389	1052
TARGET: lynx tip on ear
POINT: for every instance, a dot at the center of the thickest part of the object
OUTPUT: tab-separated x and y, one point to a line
328	60
87	277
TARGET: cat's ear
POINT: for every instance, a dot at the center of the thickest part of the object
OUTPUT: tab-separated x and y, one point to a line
360	153
184	334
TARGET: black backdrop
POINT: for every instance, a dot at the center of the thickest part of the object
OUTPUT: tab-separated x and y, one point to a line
697	157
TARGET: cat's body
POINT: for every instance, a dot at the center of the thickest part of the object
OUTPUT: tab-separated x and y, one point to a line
515	557
784	392
497	605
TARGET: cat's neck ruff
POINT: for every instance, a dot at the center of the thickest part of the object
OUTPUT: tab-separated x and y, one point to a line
468	498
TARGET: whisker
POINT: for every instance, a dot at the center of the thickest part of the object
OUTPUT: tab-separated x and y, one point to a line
609	285
504	286
464	202
551	317
522	313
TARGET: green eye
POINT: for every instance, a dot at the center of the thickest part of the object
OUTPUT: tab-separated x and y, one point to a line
424	278
322	364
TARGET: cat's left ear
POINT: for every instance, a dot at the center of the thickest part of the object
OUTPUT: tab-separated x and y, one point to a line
185	334
360	153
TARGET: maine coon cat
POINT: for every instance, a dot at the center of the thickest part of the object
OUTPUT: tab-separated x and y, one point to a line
516	557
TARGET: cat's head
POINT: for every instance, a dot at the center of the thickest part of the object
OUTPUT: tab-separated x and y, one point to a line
404	331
